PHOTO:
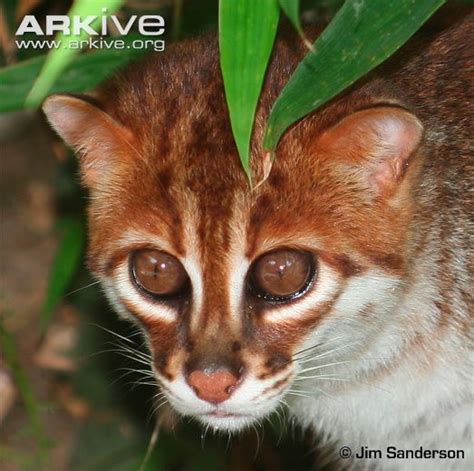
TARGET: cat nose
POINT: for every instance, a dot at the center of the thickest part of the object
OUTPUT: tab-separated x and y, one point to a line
213	384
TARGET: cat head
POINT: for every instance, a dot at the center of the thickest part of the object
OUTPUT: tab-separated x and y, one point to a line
242	294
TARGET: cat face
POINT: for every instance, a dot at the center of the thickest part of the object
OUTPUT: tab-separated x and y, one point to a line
244	295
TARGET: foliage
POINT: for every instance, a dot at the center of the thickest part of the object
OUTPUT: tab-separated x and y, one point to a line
351	46
359	38
292	11
58	59
247	31
83	73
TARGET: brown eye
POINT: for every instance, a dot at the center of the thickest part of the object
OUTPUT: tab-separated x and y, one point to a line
282	275
158	273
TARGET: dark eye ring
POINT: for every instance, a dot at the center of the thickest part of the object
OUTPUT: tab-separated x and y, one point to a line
282	275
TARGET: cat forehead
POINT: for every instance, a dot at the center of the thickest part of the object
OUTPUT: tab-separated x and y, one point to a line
174	103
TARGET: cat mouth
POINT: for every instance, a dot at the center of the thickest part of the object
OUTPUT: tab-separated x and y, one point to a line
226	421
222	414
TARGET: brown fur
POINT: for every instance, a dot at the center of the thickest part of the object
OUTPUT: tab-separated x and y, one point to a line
173	105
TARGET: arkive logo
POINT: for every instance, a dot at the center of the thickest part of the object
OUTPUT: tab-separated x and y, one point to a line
147	25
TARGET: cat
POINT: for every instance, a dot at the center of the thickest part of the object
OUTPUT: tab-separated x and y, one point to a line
339	288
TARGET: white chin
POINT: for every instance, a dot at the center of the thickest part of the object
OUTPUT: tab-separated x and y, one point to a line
229	423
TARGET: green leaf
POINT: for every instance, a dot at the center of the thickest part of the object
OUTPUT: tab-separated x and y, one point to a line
65	264
292	11
84	72
362	35
247	31
59	58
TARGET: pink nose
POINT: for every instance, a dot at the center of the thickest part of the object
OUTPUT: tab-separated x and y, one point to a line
212	386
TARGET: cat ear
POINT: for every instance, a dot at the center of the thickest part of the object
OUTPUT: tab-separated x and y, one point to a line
100	141
377	143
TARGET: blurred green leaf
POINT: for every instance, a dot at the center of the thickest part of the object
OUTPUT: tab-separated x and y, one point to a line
362	35
177	18
247	31
65	264
83	73
292	11
59	58
9	8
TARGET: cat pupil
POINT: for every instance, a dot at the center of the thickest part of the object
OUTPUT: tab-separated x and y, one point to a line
157	272
283	274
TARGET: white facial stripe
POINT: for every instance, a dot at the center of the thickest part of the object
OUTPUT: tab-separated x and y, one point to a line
324	289
192	267
237	263
238	267
192	261
138	238
128	292
114	299
302	241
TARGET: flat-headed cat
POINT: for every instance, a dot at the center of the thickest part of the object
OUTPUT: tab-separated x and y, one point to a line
339	287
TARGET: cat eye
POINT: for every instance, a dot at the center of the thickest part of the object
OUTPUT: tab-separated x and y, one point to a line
282	275
158	273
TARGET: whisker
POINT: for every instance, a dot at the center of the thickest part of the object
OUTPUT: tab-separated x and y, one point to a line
154	400
279	412
130	357
156	408
293	392
325	378
336	377
229	438
113	350
141	383
258	440
115	333
324	354
327	375
326	365
147	373
159	405
144	355
316	346
297	392
203	435
129	371
82	288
